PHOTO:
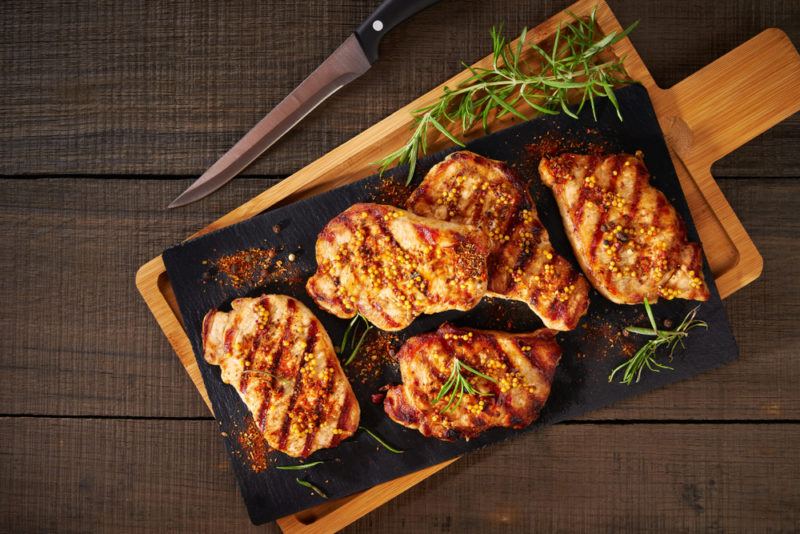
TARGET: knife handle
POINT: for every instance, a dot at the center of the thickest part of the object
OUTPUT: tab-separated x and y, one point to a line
388	15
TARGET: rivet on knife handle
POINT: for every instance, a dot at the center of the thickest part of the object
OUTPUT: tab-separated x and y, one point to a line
388	15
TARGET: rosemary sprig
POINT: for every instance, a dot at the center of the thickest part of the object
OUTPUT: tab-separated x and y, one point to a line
385	445
573	67
298	467
457	385
312	487
645	357
351	334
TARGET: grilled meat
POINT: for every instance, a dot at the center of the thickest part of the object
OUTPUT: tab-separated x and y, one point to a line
281	361
469	189
391	266
628	238
521	367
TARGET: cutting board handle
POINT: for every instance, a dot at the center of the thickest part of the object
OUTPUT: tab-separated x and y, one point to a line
754	87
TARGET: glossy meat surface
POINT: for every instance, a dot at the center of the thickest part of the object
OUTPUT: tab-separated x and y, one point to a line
391	266
279	357
469	189
521	367
628	238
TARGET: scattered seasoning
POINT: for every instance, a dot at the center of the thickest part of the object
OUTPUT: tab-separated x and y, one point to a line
254	267
555	142
246	267
389	191
312	487
377	398
615	339
379	440
377	352
254	447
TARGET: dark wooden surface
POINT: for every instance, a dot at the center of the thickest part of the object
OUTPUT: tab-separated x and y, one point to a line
109	108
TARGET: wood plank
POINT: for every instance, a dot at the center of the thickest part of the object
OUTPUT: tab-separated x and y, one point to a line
82	342
115	87
99	352
145	475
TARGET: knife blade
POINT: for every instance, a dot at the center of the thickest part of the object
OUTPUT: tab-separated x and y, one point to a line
352	59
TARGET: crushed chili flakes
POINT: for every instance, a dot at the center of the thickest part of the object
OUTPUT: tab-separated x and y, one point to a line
555	142
255	267
253	446
378	351
389	190
245	267
615	336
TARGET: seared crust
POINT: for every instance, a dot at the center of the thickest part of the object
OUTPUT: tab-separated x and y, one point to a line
391	266
522	365
628	238
281	361
469	189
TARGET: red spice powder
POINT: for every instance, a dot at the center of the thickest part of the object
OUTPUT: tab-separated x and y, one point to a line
614	335
392	191
379	350
255	267
555	142
243	268
253	446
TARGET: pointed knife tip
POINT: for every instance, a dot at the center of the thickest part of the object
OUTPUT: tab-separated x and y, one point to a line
177	203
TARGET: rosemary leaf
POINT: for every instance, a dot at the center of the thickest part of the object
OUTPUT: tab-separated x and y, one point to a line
351	334
645	357
298	467
572	67
457	385
312	487
379	440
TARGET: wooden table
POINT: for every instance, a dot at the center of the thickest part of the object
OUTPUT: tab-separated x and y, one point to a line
108	113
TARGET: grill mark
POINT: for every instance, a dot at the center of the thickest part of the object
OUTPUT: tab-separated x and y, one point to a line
531	354
523	258
320	410
535	292
425	190
598	232
492	341
434	371
244	381
298	386
558	309
477	201
230	330
385	232
448	348
207	320
207	325
344	416
348	223
261	416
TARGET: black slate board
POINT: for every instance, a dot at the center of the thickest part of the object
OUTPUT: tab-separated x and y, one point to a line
581	383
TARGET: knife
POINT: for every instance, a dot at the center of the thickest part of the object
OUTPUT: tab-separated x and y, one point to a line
352	59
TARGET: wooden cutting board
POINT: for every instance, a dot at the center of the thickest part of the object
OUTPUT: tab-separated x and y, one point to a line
704	117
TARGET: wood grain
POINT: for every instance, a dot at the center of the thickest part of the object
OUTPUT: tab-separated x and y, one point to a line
105	355
142	90
72	475
118	87
83	343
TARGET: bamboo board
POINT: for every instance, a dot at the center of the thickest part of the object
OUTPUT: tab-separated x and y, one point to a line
704	117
